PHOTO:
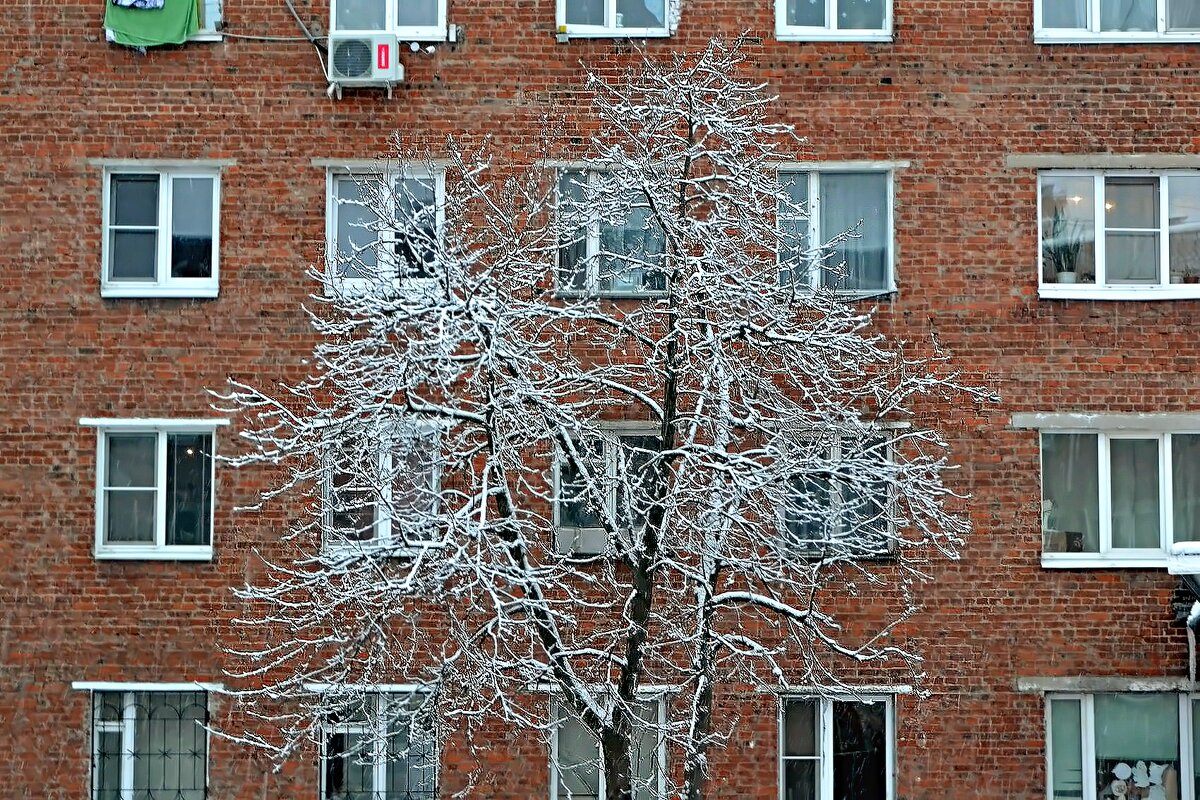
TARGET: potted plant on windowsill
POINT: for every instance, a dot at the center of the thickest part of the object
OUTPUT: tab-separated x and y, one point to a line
1061	247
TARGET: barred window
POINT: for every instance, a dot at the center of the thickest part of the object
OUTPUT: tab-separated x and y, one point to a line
149	745
381	750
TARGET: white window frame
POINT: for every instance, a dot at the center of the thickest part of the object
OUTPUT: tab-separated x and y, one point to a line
813	218
387	237
213	16
388	694
160	550
592	242
587	541
1087	728
1100	290
658	792
825	730
1093	35
835	498
1107	555
610	31
439	32
803	33
163	284
382	525
127	725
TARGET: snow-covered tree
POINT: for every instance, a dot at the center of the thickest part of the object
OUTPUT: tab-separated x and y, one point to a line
583	441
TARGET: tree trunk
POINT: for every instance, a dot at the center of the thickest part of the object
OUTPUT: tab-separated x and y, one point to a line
618	765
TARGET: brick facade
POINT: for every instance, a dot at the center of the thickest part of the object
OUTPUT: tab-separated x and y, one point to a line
960	89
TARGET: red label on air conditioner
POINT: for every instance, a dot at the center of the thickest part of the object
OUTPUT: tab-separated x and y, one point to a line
383	56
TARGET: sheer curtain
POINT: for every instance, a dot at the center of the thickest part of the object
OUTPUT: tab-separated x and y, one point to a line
1128	15
1183	14
856	202
1134	492
1064	13
1185	486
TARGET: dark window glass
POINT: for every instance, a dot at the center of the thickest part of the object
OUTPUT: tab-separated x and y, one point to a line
189	489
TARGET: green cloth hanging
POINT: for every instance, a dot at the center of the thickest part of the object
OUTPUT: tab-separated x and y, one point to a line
148	27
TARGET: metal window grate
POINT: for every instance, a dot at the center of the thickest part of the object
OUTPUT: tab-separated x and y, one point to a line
149	745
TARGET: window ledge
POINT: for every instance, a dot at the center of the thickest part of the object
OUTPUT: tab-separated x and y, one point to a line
1094	561
134	553
155	290
207	36
614	33
818	35
1176	291
1117	38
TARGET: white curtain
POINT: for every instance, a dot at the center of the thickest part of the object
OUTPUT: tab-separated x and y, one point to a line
1183	14
1128	15
1064	13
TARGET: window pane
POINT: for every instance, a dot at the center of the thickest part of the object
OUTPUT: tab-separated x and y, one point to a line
640	13
860	760
1185	486
349	773
846	200
585	12
633	463
352	506
169	746
108	765
414	479
633	250
1127	15
793	229
131	460
578	754
1068	229
809	517
357	235
1134	488
363	15
191	227
1064	13
417	13
572	249
801	779
1132	728
575	506
134	200
1131	203
863	517
1070	493
1183	15
132	255
411	771
1131	257
800	728
1183	215
646	751
806	13
416	243
860	14
189	488
129	516
1066	737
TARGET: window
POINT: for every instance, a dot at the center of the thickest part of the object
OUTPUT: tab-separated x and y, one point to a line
419	20
576	766
149	744
834	203
160	233
1116	20
210	20
384	228
832	510
383	496
613	17
837	748
154	490
382	750
1105	746
1120	234
621	459
619	254
1118	497
857	20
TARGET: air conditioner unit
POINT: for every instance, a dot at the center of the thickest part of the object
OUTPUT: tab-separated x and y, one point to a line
364	59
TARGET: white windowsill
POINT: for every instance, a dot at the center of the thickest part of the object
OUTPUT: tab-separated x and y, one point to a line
825	35
403	34
207	36
155	290
1176	291
144	686
137	553
1095	561
1116	37
614	33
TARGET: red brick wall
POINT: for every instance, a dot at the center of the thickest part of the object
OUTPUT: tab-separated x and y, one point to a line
961	87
